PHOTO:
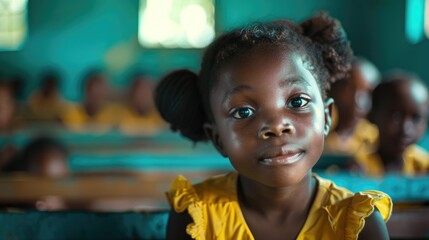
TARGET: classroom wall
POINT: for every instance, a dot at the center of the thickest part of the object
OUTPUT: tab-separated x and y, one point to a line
76	35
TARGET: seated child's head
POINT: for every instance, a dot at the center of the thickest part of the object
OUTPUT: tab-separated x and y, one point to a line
352	95
400	108
96	90
141	93
260	96
45	156
49	83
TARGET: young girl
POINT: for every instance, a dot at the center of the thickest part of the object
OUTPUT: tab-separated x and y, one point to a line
260	97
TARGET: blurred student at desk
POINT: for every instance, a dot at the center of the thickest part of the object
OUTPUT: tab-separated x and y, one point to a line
47	104
350	130
96	113
42	157
400	111
138	115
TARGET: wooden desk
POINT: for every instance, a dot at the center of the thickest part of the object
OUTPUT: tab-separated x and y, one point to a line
101	191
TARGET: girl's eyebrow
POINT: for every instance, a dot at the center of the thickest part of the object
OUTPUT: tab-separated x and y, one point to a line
233	91
295	80
287	82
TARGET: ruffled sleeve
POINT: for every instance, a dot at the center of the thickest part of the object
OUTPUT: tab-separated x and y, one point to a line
182	196
347	217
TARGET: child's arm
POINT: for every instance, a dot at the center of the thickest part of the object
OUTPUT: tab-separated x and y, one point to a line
375	227
176	226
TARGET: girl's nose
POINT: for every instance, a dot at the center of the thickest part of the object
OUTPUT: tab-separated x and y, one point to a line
276	128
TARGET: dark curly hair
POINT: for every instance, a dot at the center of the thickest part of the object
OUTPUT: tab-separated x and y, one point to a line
182	96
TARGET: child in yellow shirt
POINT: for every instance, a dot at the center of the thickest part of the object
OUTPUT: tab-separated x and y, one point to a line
400	111
260	98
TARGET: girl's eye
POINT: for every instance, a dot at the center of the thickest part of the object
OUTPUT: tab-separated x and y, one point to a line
298	102
244	112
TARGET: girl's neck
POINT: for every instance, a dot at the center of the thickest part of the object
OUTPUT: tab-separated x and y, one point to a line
277	202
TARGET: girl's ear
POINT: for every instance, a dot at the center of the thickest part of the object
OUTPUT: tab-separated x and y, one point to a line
329	106
213	135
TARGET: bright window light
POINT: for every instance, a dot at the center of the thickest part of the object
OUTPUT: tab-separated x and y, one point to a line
427	18
13	24
176	23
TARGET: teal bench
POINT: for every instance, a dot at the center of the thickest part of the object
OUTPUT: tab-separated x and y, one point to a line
82	225
410	224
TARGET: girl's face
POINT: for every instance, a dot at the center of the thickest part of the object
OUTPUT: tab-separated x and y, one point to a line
269	116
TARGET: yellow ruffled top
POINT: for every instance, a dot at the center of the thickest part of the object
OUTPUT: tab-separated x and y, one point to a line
416	162
336	213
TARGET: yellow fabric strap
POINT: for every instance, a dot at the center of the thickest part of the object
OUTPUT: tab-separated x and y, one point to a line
182	196
350	213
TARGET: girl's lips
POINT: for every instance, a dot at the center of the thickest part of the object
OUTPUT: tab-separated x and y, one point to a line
284	156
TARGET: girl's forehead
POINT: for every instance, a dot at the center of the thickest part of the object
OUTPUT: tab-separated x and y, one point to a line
267	63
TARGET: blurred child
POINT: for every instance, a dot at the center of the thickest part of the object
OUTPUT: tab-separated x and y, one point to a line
8	109
42	156
352	96
139	115
400	111
95	113
8	153
47	104
260	98
9	122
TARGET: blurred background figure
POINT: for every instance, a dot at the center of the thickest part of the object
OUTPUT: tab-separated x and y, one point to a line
9	120
350	130
139	115
95	112
46	104
42	156
18	81
400	109
7	155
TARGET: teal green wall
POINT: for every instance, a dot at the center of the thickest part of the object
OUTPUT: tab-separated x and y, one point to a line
79	34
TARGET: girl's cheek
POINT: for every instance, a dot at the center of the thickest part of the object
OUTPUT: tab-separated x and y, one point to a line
318	120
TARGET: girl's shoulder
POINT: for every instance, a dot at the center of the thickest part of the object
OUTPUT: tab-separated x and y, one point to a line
347	211
216	189
207	204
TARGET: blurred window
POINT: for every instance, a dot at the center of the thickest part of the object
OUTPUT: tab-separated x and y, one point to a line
427	18
13	24
416	20
176	23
